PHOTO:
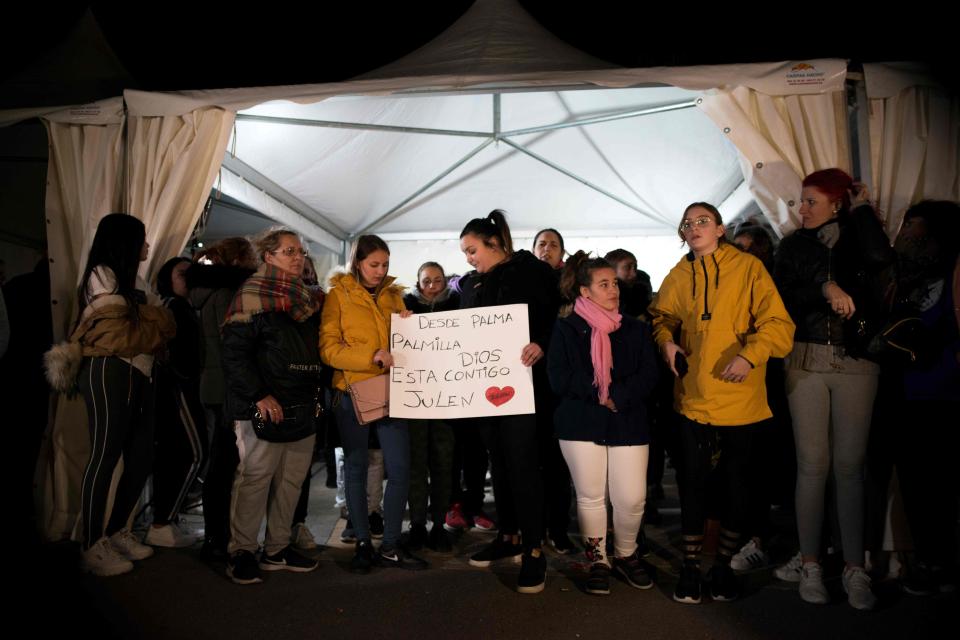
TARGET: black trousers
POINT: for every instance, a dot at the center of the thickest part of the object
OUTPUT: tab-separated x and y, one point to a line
224	458
181	437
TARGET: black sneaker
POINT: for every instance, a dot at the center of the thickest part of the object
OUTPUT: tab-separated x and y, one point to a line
287	559
242	568
632	570
533	572
400	558
416	537
598	581
362	558
376	525
499	549
439	541
689	587
561	543
723	583
643	549
920	581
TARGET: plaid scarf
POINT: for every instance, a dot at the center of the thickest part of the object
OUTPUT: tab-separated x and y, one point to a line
272	289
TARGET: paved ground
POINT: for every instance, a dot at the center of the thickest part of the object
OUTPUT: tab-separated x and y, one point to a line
177	595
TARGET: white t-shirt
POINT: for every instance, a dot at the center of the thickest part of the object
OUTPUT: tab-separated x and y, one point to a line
103	281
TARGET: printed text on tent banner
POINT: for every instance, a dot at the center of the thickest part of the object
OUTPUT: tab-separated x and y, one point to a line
460	364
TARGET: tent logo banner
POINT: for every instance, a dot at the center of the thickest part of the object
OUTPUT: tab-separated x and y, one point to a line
805	74
460	364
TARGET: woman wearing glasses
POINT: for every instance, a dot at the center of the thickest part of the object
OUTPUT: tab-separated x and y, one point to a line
717	319
271	367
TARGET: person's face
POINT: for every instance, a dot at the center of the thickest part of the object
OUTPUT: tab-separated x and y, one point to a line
701	231
431	282
603	289
178	280
481	256
288	257
627	270
144	251
373	269
816	208
547	248
744	242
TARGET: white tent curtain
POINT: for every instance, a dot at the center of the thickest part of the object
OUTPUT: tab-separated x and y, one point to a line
171	163
915	148
780	140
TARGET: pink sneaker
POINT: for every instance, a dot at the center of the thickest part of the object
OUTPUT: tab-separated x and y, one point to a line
482	522
455	521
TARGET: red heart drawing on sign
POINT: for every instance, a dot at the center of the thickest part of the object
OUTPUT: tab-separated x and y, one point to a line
498	396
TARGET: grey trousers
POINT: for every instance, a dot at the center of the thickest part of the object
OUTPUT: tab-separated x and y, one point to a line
267	482
831	414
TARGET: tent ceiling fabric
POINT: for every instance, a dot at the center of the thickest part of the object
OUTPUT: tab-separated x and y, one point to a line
658	163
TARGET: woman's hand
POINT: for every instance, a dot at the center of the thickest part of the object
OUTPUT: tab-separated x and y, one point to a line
736	370
406	313
383	359
270	409
669	352
531	354
840	302
609	405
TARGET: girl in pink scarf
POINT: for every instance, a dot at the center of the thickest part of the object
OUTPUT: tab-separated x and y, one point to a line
602	365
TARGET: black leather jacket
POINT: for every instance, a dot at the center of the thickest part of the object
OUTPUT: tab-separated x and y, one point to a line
270	355
860	263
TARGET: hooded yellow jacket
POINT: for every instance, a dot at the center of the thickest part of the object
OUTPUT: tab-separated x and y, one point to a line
715	308
353	327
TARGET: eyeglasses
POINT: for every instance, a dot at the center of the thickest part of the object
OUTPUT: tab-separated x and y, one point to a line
700	221
291	251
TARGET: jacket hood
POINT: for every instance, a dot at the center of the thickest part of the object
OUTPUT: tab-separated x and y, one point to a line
443	296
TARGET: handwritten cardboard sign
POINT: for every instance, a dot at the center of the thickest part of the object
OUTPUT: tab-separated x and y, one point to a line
460	364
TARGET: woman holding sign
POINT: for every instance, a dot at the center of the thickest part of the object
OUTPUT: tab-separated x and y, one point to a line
503	276
354	341
602	366
717	318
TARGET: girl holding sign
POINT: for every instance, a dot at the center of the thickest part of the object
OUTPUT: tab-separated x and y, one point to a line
602	366
354	340
503	276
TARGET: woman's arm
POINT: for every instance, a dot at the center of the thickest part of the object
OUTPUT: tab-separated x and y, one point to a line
238	354
773	336
638	386
335	351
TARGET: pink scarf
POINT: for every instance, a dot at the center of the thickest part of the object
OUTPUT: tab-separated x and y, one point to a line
602	324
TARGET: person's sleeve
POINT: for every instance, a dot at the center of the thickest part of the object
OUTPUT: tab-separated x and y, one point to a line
873	246
239	358
636	388
799	292
334	349
773	336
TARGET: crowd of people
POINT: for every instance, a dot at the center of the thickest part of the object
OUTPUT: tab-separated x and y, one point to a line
244	360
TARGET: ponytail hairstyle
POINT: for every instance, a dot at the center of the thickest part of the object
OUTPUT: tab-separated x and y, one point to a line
578	272
117	246
493	230
833	183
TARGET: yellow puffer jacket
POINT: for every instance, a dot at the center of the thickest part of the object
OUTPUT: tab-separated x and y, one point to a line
716	308
353	327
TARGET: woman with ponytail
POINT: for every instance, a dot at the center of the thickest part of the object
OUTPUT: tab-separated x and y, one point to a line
504	276
602	366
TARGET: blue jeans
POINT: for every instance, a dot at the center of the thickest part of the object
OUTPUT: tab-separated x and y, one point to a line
395	443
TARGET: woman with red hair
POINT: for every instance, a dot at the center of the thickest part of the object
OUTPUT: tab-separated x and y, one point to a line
829	273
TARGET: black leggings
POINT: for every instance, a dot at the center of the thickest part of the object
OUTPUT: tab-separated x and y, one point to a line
120	414
180	446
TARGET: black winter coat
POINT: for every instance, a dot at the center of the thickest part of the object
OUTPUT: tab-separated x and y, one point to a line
860	263
270	355
579	415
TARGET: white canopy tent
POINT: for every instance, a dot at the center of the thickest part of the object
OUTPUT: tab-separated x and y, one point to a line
493	113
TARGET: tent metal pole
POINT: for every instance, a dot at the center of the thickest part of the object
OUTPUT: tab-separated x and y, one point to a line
582	181
633	113
858	126
496	115
278	193
385	217
332	124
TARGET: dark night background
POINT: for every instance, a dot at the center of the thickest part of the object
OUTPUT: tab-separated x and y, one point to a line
186	46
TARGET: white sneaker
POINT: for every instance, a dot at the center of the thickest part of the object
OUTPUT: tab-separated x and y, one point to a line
169	535
856	584
811	584
102	559
302	537
792	571
128	545
750	556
